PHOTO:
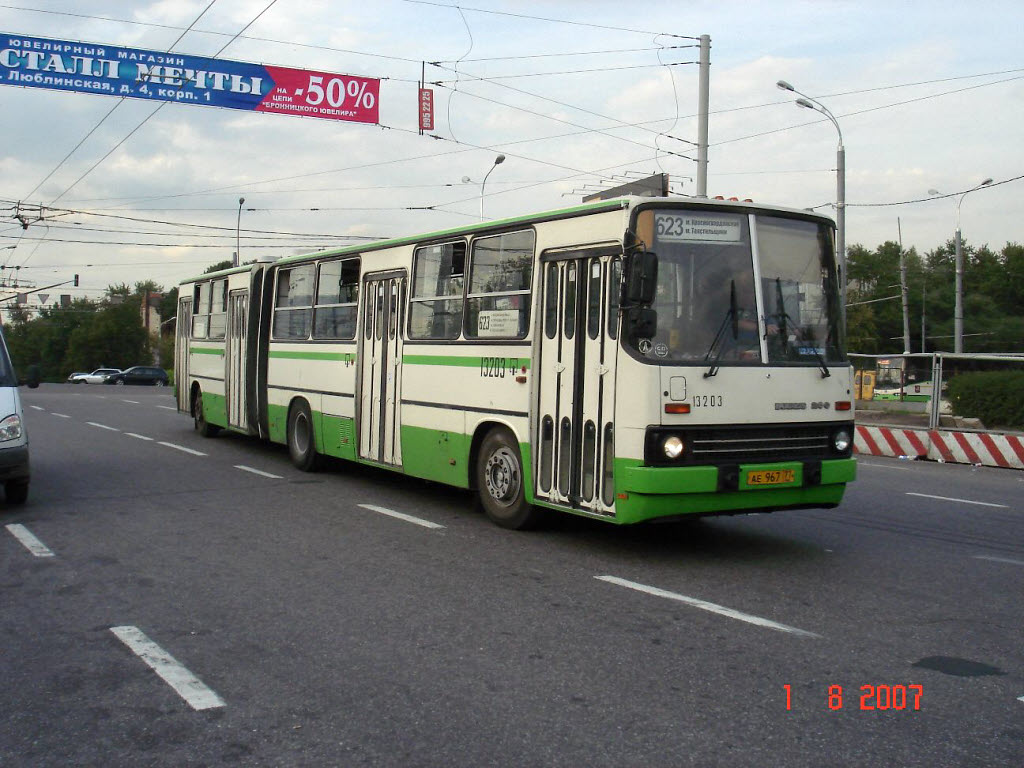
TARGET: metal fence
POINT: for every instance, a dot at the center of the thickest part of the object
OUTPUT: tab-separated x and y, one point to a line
914	390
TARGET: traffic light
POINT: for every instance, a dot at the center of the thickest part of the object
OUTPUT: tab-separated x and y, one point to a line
76	281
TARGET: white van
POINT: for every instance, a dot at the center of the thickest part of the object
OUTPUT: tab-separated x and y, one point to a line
14	472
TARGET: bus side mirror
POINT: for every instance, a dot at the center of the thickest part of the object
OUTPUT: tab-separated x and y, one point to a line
641	270
643	322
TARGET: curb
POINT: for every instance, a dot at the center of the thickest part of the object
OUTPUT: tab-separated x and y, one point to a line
988	449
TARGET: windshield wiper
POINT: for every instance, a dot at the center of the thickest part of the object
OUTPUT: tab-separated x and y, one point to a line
784	317
715	350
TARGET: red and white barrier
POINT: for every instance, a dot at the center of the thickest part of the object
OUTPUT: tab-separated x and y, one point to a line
990	449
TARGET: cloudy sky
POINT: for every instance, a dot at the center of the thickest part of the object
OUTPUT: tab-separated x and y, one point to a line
578	95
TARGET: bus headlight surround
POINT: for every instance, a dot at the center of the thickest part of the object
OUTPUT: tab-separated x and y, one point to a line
841	440
673	447
10	428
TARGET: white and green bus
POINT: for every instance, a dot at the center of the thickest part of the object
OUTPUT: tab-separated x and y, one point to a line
627	360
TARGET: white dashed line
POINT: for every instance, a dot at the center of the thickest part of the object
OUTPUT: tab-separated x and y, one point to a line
30	542
36	408
706	606
133	402
401	516
61	415
999	559
183	449
139	437
167	407
259	472
102	426
961	501
184	683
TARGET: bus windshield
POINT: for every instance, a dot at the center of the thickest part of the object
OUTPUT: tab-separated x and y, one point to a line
715	303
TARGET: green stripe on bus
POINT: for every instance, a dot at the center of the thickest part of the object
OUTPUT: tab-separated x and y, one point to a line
459	361
206	350
340	356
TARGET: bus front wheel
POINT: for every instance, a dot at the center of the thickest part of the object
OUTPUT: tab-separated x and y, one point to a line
301	440
501	484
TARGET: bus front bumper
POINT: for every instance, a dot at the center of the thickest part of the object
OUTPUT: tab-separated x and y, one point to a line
644	493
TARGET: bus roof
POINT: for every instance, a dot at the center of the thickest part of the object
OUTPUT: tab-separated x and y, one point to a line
628	202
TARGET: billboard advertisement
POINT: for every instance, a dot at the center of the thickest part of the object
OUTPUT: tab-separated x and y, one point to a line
37	62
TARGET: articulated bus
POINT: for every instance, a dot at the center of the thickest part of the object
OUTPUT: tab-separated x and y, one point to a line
627	360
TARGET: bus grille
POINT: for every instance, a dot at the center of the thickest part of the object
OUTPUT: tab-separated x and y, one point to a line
760	443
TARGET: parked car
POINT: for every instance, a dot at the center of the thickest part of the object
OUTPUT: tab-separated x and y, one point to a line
99	376
139	374
14	469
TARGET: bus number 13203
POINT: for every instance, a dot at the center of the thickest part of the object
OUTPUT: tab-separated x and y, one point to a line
498	367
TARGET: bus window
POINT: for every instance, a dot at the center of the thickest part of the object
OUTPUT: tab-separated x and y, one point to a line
594	301
551	302
498	304
435	307
293	307
201	311
218	308
337	293
614	289
570	300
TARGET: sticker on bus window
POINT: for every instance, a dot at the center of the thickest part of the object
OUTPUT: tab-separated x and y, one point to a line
498	322
691	227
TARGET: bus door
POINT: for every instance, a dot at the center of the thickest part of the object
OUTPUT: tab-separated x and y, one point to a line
575	418
181	352
383	299
235	358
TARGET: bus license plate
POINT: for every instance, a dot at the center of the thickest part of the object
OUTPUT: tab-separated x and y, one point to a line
771	476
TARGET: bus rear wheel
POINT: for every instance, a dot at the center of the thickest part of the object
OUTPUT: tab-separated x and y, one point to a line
500	482
203	427
301	440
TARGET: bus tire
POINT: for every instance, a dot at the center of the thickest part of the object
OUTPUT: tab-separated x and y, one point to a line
301	438
500	482
202	426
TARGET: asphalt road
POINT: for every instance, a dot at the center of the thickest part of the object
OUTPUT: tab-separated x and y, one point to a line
294	621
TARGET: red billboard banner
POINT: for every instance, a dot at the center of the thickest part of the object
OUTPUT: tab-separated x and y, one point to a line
322	94
426	109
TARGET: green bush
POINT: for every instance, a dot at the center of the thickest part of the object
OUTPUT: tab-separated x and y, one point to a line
995	397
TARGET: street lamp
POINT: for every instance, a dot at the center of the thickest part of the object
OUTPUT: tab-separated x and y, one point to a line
497	161
238	234
808	103
958	309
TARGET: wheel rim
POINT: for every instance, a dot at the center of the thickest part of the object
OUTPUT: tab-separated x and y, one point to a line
300	433
501	475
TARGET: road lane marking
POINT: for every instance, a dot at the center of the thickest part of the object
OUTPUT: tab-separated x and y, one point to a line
183	449
167	407
961	501
61	415
102	426
139	437
30	542
882	466
400	516
133	402
999	559
36	408
704	605
184	683
259	472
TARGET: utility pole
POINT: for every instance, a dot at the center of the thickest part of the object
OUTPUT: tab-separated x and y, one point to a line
704	88
903	291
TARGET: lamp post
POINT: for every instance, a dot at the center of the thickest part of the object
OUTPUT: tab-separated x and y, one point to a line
497	161
958	309
238	234
808	103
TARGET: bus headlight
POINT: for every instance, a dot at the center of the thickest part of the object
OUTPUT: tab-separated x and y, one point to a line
841	441
10	428
673	447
